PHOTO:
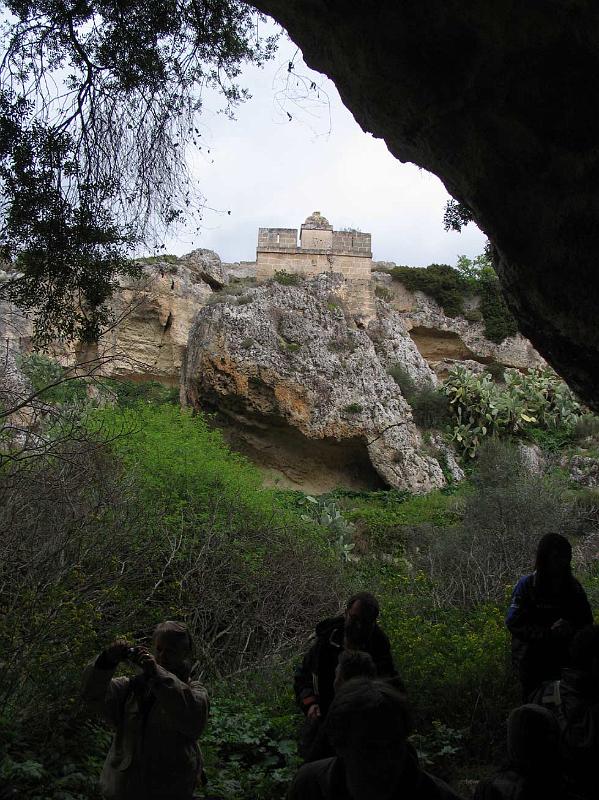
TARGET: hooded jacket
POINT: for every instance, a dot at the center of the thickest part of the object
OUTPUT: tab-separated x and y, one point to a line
154	754
314	677
538	653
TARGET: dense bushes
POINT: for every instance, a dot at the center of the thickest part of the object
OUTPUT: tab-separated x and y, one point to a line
430	406
106	540
503	517
440	281
535	400
450	287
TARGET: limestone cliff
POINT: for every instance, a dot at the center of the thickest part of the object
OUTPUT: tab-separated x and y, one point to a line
152	316
294	357
444	341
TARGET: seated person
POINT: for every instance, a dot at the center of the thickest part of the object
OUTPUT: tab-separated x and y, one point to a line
314	742
533	770
157	717
355	630
368	724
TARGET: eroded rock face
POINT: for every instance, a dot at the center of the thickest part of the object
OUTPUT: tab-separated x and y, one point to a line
154	317
205	265
445	341
293	356
497	99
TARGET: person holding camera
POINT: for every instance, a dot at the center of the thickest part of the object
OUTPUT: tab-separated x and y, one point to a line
157	717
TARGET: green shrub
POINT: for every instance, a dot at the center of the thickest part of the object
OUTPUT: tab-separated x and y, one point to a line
287	278
440	281
353	408
129	393
496	371
449	287
250	748
167	258
430	408
586	426
499	321
473	315
55	384
289	347
383	293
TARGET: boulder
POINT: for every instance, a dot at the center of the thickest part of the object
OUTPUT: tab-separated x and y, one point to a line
294	356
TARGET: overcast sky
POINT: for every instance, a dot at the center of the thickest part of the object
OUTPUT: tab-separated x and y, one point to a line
272	171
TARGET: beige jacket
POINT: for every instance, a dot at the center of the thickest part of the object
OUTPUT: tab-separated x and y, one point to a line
160	760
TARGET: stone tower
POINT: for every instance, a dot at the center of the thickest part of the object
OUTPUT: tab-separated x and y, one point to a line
320	249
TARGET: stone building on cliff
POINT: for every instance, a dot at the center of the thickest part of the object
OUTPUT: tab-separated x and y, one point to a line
320	249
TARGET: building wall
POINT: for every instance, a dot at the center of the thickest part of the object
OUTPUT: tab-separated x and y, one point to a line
316	239
352	266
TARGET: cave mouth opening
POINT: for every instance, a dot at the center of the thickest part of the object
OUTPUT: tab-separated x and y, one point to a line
290	460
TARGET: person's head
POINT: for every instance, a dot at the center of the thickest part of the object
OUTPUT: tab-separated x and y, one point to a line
361	612
554	556
533	740
368	724
173	647
353	664
584	650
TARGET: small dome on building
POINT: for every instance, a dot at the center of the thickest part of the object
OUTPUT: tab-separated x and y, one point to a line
316	221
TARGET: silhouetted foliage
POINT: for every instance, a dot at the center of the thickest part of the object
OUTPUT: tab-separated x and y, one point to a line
98	102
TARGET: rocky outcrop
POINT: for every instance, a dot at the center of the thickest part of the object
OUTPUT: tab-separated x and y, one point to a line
206	266
153	316
445	341
293	357
498	100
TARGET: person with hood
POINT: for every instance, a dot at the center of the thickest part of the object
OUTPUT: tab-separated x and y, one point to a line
368	724
547	607
156	716
533	770
573	699
356	629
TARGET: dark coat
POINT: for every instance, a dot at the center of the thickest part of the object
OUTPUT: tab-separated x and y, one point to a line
314	677
574	699
538	653
325	780
510	784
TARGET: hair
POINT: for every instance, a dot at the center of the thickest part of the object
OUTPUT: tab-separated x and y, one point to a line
368	602
356	664
547	544
360	701
585	647
533	739
176	629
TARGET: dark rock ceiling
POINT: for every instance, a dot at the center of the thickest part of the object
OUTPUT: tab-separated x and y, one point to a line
500	99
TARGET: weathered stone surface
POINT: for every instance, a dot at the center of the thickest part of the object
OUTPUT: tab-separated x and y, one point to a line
154	317
205	265
240	270
584	470
498	99
444	341
292	355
